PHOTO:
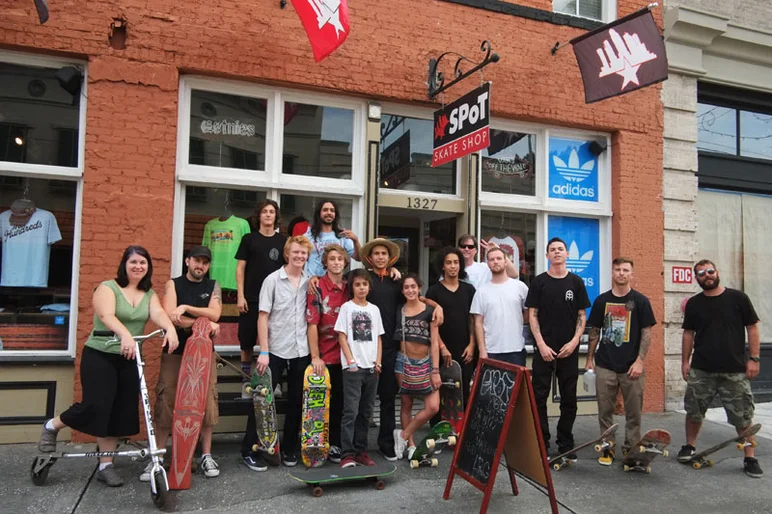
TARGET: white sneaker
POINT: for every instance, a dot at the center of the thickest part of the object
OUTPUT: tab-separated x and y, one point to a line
210	467
410	452
400	445
145	476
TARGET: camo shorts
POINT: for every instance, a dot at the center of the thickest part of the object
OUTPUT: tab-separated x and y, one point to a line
733	389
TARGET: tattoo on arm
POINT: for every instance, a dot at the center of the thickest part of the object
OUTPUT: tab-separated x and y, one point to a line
645	342
580	322
217	293
594	338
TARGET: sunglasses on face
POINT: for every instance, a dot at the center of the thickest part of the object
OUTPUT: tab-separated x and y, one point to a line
468	247
709	271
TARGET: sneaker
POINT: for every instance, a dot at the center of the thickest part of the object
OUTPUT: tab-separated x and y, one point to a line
277	392
348	462
364	459
335	454
400	445
244	394
607	459
410	452
210	467
145	476
109	476
255	462
389	455
686	453
47	443
289	460
571	456
752	468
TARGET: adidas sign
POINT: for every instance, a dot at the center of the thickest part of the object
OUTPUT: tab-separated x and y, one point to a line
577	263
574	173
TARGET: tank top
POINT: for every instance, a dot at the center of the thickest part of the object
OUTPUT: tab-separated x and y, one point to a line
195	294
133	318
417	329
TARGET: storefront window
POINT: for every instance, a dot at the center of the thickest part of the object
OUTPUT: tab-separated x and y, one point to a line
318	141
717	128
38	118
227	131
756	135
515	233
37	225
406	157
508	164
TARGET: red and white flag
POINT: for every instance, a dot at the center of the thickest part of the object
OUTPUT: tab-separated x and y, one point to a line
326	23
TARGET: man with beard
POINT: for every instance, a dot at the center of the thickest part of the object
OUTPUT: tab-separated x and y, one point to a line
621	321
325	230
715	324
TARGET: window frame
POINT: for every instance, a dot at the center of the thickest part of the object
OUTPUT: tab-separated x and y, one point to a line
608	11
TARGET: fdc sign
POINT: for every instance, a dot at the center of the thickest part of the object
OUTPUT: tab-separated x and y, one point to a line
461	127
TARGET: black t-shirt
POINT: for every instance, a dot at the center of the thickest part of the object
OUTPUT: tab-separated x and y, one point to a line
195	294
263	255
455	330
719	330
620	319
386	294
559	301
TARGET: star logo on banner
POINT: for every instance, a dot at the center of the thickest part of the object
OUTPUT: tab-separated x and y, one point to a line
327	13
623	55
439	128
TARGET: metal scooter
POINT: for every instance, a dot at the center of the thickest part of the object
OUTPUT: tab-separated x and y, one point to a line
159	485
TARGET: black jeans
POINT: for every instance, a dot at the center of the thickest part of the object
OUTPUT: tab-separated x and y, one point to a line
336	402
567	372
359	389
387	392
295	370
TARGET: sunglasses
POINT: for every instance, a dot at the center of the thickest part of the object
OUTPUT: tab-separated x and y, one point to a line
468	247
709	271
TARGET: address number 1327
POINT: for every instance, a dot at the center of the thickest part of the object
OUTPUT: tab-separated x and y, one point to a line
421	203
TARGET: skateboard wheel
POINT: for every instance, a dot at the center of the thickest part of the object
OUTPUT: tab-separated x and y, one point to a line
317	491
642	449
648	470
626	468
556	466
220	365
380	485
741	446
665	453
451	440
753	444
709	464
248	389
264	391
458	384
435	462
414	464
598	448
696	465
430	444
271	451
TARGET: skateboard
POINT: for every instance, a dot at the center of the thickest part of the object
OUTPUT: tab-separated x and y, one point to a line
190	402
452	396
440	435
261	388
315	428
316	478
558	462
646	450
699	461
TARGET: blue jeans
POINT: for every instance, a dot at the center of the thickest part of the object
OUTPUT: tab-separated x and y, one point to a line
359	388
510	357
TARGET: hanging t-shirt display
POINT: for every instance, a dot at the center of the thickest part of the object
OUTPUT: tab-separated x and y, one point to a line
223	237
26	249
510	247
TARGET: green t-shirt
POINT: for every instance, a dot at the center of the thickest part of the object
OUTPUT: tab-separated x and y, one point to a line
133	318
223	239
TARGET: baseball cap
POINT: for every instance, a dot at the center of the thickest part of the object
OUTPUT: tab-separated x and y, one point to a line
200	251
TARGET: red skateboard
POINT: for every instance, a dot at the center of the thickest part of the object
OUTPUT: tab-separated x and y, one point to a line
190	402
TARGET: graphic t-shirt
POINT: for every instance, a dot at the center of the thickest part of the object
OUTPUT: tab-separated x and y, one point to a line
263	256
620	319
314	265
26	249
455	330
223	239
719	330
559	301
362	326
195	294
501	306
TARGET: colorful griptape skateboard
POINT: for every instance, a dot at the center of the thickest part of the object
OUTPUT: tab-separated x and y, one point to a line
699	460
318	477
646	450
438	437
261	388
452	396
315	427
190	402
601	443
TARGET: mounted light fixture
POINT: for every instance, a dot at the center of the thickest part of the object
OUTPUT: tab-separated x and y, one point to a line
374	111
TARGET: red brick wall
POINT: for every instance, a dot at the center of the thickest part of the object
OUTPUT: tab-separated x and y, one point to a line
132	105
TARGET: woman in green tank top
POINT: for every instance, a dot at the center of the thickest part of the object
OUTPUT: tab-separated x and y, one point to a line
108	373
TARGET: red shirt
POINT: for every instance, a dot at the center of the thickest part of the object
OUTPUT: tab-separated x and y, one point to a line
322	310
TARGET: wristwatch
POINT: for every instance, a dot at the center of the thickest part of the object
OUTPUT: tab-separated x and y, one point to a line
754	359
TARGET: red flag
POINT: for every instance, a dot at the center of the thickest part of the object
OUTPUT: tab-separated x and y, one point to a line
326	23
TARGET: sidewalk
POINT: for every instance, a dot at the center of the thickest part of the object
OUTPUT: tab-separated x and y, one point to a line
584	488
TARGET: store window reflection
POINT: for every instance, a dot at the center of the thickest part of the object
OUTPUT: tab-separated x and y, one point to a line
406	157
515	233
508	164
318	141
294	207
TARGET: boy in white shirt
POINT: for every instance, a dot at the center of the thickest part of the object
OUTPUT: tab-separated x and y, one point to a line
359	329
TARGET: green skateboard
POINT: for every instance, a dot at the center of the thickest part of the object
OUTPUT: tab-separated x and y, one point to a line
439	436
318	477
261	388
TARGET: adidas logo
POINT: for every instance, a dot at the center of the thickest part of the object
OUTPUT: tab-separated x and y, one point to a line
573	171
576	263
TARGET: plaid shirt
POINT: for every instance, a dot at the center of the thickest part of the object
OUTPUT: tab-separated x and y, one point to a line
322	308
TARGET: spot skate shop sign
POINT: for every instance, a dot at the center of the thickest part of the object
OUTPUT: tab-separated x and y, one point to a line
461	127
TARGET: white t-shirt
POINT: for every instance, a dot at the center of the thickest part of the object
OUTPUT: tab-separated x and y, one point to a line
26	249
478	274
501	306
362	326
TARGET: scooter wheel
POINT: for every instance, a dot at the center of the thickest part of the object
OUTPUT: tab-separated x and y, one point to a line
40	477
159	497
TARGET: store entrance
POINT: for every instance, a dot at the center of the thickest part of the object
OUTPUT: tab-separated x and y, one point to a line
420	235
